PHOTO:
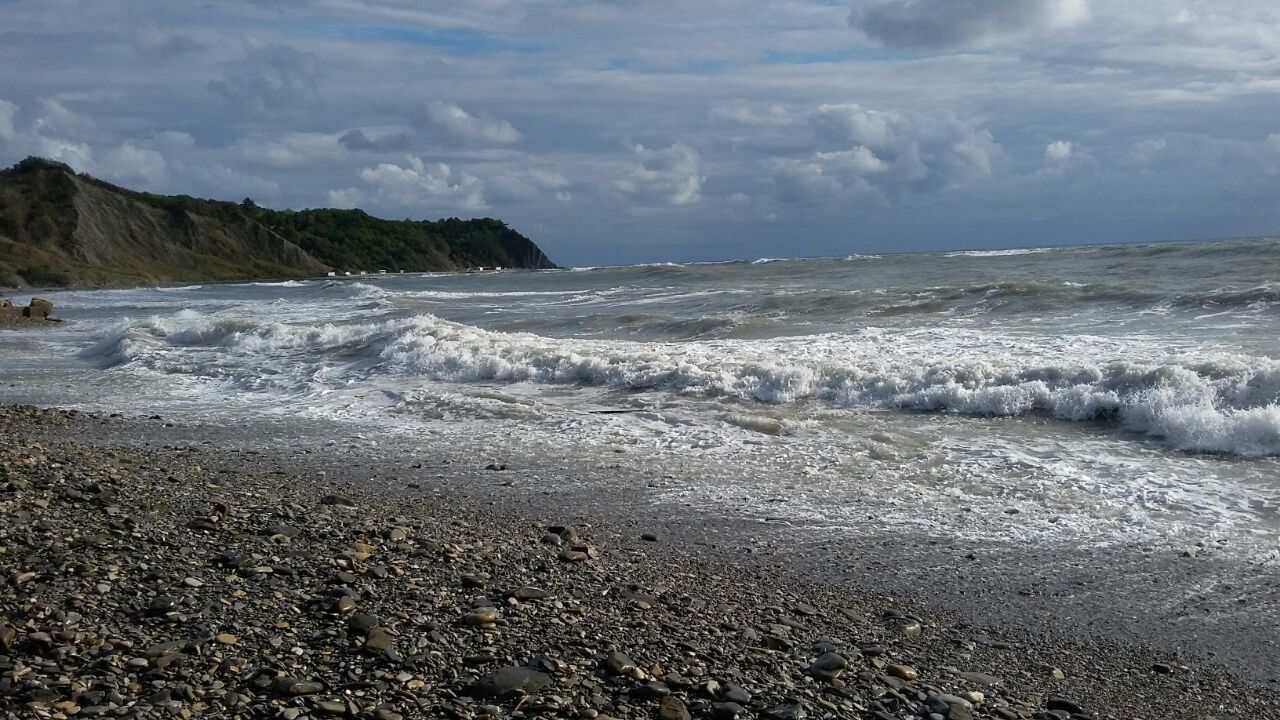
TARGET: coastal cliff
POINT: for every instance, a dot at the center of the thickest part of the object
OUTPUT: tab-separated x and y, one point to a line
61	228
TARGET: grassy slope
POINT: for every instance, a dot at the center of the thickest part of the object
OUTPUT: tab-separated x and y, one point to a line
38	222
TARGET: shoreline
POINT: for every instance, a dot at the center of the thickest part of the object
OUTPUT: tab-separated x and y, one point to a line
162	512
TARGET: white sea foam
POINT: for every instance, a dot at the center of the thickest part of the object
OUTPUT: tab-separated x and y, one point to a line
999	253
1217	403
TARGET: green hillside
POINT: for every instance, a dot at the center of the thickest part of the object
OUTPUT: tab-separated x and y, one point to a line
60	228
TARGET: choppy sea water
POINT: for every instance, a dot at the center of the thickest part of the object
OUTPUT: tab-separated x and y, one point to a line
1104	394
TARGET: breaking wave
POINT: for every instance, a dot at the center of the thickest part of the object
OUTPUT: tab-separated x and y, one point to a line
1220	404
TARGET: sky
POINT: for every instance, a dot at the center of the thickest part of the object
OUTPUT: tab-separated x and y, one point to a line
614	131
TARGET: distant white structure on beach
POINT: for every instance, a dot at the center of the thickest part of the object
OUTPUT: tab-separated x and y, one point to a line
333	273
382	272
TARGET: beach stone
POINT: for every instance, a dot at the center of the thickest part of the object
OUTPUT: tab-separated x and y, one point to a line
475	580
978	678
910	628
529	593
508	681
225	638
617	663
337	500
735	694
481	616
828	666
906	672
379	640
789	710
162	605
572	556
294	686
362	622
672	708
1069	706
726	710
651	689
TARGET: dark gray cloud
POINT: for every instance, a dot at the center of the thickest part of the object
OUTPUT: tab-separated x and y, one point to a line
357	141
940	24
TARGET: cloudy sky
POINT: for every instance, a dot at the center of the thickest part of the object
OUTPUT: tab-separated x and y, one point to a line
615	131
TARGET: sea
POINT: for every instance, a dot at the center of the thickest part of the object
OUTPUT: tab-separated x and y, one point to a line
1077	396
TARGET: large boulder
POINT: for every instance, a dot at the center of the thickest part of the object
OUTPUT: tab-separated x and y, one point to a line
39	308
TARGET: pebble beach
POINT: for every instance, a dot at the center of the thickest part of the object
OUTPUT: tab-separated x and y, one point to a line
148	579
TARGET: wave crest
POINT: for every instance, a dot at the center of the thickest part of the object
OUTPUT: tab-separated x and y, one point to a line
1218	404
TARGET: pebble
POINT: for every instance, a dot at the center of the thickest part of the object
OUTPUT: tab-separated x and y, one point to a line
906	672
828	666
672	708
508	681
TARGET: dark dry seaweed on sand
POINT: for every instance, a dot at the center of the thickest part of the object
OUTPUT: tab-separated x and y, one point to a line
170	580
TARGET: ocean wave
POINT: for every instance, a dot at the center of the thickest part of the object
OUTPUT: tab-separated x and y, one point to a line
1223	404
999	253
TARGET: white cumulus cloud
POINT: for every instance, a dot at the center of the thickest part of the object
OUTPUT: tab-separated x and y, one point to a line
1058	151
463	125
421	185
671	176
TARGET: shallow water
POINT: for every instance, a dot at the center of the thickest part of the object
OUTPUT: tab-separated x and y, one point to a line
1096	394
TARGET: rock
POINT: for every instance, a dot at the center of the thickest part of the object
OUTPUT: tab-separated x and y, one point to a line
671	708
337	500
225	638
1069	706
735	694
475	580
294	686
572	556
509	681
910	628
617	663
789	710
649	537
828	666
651	689
726	710
481	616
978	678
362	623
379	640
906	672
529	593
162	605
